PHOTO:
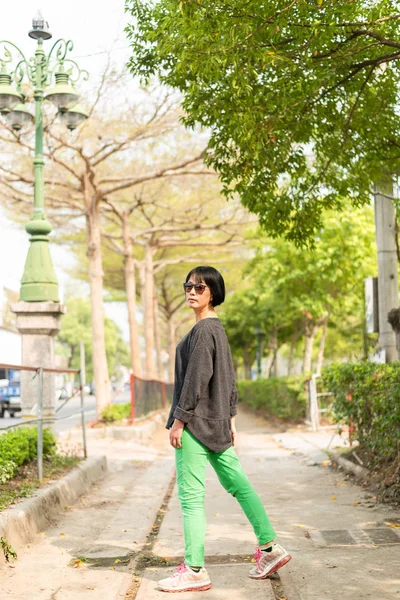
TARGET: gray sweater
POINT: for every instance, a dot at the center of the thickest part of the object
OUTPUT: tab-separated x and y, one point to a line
205	394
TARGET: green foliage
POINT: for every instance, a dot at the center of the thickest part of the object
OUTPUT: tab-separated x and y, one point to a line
76	325
115	412
19	447
368	395
301	98
289	288
283	397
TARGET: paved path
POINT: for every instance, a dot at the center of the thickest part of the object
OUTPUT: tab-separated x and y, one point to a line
342	544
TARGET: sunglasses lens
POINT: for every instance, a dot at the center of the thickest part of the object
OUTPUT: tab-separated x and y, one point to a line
198	287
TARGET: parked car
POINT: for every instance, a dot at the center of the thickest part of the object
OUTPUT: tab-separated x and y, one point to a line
10	394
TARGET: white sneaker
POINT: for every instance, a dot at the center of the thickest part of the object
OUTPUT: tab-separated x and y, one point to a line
269	562
186	580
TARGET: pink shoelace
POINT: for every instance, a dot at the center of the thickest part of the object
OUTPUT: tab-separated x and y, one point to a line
180	570
258	556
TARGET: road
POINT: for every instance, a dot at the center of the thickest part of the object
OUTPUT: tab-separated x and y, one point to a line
71	410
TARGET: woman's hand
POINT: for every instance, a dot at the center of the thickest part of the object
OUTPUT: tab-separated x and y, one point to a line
233	430
175	433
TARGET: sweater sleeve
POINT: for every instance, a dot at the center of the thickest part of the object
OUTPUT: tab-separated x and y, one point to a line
234	400
198	374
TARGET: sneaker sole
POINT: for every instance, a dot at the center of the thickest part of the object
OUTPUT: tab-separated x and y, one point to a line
278	565
203	588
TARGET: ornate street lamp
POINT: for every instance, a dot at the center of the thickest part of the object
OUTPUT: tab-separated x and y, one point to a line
73	117
39	282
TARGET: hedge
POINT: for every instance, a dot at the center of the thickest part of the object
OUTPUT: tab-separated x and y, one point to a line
19	447
368	395
282	397
115	412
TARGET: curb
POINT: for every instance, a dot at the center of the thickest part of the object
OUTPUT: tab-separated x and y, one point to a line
137	431
350	467
20	523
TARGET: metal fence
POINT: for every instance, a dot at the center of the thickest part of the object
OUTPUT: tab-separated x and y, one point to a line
41	420
316	408
148	395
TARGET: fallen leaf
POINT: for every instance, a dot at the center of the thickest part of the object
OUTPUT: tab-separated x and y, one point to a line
356	502
302	526
117	560
333	497
77	564
62	534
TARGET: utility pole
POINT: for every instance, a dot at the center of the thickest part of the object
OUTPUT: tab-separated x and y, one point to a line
388	287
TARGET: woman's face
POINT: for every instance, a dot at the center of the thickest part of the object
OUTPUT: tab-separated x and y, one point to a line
200	299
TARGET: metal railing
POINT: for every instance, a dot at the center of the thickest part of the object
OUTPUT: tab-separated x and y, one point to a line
315	410
148	395
41	420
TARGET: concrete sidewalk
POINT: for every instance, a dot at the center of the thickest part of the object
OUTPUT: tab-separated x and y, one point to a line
343	544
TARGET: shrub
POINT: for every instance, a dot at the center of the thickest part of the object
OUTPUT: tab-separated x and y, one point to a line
283	397
19	447
368	395
115	412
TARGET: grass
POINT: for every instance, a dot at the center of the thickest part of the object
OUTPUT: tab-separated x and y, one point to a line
26	482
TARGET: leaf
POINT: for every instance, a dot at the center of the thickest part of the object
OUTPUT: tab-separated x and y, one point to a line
333	497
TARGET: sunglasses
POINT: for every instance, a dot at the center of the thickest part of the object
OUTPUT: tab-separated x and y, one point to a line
198	287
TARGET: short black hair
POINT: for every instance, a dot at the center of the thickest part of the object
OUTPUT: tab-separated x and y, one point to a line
213	279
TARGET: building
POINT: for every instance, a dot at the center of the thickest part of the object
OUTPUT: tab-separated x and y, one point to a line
10	338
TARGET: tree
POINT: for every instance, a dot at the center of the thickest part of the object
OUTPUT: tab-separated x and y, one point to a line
106	157
76	326
293	288
301	97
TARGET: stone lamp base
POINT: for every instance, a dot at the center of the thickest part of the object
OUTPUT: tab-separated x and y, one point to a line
38	324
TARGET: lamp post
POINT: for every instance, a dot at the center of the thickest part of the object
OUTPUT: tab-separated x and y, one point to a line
39	282
259	335
39	310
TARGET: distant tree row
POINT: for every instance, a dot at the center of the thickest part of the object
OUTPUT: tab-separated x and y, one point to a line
296	295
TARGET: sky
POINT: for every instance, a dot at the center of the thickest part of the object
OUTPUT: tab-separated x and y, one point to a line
95	29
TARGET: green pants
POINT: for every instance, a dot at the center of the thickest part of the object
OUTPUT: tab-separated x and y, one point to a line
191	462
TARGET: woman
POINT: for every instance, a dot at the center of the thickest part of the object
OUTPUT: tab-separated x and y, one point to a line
202	429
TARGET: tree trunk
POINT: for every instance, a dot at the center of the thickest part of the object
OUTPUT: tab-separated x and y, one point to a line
272	350
157	340
320	359
247	362
171	347
310	331
293	341
275	367
148	310
100	366
130	287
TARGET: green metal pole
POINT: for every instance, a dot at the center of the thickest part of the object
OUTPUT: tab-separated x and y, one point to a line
39	282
